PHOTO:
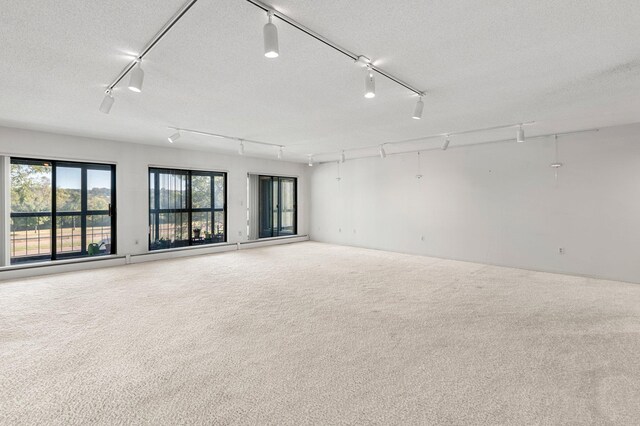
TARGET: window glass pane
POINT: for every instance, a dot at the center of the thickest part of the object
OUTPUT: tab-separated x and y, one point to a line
99	232
218	227
173	229
266	203
68	234
30	236
287	194
68	184
30	188
152	190
201	191
173	191
98	189
219	191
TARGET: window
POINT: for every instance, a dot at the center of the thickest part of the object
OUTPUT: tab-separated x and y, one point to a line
277	206
186	208
61	209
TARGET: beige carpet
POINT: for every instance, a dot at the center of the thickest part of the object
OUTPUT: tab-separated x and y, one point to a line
312	333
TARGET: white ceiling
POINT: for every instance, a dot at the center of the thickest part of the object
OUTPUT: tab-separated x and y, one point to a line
564	64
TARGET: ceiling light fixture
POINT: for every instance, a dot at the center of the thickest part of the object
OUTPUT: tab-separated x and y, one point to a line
445	144
107	102
383	153
310	160
137	78
153	42
556	164
369	84
270	32
343	157
417	112
174	137
520	134
280	151
241	148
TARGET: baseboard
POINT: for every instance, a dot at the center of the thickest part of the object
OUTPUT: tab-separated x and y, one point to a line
58	267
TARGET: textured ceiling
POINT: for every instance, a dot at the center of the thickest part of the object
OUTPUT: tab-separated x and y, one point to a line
564	64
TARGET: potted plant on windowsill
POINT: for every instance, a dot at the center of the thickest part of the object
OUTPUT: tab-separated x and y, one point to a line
196	233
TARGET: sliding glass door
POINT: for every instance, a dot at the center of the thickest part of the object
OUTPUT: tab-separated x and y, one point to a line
61	210
277	205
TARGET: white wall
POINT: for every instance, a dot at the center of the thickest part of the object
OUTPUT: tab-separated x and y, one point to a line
496	204
132	164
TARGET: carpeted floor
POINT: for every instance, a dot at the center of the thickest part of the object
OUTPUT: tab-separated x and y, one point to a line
312	333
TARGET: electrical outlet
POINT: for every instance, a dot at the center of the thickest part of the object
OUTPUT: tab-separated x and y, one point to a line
560	250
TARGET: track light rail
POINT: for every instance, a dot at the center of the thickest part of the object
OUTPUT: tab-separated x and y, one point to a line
268	8
165	29
217	135
438	148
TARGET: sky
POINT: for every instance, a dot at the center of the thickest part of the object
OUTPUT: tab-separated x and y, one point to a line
69	177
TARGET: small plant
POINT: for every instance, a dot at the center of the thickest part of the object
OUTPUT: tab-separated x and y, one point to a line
196	232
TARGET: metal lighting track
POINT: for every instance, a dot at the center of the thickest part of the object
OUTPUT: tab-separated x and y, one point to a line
490	142
152	43
322	39
217	135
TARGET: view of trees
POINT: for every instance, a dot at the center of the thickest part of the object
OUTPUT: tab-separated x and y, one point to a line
30	188
172	225
31	192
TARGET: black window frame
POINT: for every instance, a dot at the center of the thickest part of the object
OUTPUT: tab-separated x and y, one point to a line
189	209
277	231
84	212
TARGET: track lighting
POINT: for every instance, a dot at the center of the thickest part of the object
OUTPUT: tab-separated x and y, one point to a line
369	84
445	144
310	161
520	135
280	152
417	112
270	32
137	78
107	102
382	152
271	50
241	148
343	157
556	164
174	137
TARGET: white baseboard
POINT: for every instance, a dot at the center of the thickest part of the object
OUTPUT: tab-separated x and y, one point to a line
57	267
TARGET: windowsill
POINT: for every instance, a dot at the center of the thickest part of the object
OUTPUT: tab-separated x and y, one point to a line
61	262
